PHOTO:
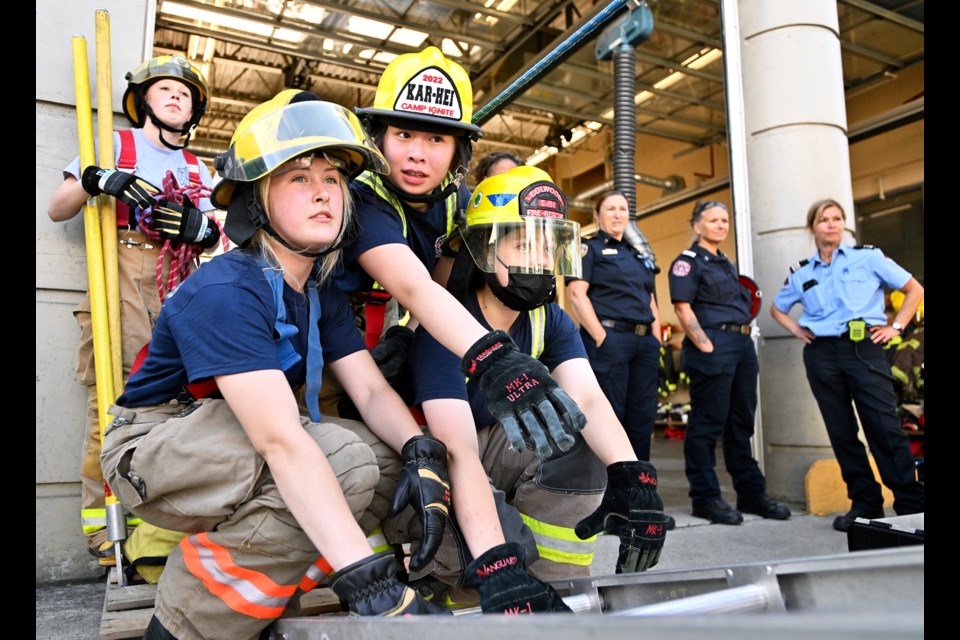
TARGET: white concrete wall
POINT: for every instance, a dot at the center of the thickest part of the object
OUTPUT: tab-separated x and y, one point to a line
61	272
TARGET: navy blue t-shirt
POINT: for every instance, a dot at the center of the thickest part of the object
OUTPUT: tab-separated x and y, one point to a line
711	285
621	280
378	223
220	321
436	371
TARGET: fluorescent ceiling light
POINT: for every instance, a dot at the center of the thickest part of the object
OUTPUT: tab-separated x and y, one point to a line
288	35
202	15
367	27
450	49
408	37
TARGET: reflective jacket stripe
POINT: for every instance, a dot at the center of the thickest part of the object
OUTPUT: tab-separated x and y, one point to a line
246	591
315	574
561	544
538	322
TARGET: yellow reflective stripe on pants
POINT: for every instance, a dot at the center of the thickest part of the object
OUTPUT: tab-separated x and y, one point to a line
378	541
93	520
561	544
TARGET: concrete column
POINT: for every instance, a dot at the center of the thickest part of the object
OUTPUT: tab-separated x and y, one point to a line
794	117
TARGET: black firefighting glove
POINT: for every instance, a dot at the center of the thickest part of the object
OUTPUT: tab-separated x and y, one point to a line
505	586
391	352
370	588
632	510
520	393
425	486
184	223
130	189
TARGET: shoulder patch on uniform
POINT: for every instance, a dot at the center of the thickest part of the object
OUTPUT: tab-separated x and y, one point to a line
796	265
681	268
687	252
584	248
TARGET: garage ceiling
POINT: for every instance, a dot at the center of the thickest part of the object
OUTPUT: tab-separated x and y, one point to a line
251	49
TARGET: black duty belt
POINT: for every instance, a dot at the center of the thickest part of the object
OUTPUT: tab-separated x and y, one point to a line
742	329
629	327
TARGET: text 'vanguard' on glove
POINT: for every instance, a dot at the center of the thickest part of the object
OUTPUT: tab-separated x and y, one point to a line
521	395
631	509
505	587
130	189
425	485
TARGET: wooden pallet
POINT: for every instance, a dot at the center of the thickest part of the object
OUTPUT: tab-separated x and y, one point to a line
127	610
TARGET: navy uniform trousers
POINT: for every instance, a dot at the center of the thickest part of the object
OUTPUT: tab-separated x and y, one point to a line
839	370
723	401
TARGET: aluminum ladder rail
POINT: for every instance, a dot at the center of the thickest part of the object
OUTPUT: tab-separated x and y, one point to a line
869	595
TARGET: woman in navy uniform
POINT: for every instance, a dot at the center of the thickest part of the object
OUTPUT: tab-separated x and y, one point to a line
719	356
616	304
844	328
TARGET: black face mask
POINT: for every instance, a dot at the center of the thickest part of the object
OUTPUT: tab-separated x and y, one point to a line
524	291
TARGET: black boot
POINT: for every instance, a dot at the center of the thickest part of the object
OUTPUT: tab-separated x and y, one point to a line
156	631
370	588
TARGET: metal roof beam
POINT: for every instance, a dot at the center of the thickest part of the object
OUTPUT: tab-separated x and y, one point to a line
886	14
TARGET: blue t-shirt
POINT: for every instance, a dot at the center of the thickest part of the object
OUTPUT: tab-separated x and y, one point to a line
621	280
849	288
378	223
221	320
436	371
711	285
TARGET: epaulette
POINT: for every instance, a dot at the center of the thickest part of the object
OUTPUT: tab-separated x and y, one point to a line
688	253
796	265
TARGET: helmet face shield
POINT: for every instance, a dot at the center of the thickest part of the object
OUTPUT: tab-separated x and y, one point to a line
294	130
517	221
541	246
278	131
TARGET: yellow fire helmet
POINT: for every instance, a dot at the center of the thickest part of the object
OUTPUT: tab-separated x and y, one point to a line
291	124
176	67
522	214
896	299
427	91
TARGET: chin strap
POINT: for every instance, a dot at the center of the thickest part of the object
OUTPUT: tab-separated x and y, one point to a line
181	132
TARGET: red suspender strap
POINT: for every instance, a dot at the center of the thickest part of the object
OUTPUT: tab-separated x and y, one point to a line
197	390
127	162
374	311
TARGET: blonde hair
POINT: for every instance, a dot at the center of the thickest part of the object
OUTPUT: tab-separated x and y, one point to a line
817	209
264	244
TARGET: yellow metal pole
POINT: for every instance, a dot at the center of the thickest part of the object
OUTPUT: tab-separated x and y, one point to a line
108	208
95	276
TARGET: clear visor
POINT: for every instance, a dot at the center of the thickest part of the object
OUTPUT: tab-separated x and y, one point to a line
535	245
294	130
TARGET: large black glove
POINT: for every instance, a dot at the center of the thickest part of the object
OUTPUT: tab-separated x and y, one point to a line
370	588
520	392
632	510
391	352
133	191
184	223
424	484
506	587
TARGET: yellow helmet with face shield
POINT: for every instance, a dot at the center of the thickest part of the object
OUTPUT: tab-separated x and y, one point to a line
290	124
518	220
294	124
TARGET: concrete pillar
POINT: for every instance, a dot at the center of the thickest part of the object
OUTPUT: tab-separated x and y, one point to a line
794	119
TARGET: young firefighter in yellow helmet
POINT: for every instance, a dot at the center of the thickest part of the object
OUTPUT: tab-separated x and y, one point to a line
517	241
421	121
263	491
161	222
